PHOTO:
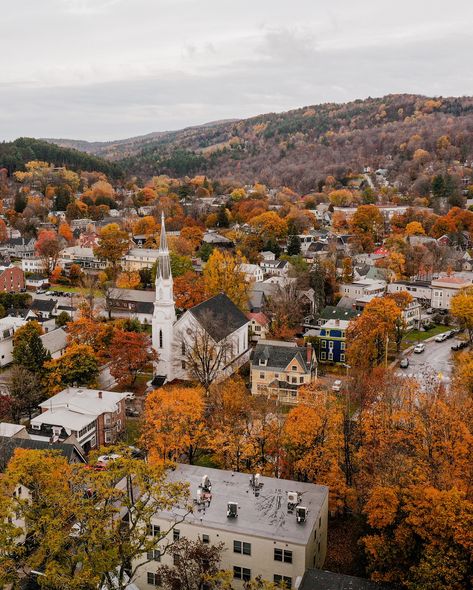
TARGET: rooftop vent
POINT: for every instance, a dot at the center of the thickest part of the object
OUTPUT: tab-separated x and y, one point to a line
232	510
256	483
301	514
206	485
293	499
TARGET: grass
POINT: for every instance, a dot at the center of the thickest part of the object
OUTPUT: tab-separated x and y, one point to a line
420	335
133	431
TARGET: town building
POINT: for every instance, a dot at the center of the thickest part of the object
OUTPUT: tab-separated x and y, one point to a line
279	369
259	326
445	288
279	268
12	279
273	528
217	319
140	258
93	417
332	341
363	288
35	265
252	272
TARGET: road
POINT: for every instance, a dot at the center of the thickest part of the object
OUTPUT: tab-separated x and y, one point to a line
436	360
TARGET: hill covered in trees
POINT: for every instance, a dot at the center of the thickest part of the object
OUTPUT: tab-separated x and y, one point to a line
15	154
409	135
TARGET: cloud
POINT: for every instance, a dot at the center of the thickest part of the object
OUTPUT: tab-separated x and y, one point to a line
87	7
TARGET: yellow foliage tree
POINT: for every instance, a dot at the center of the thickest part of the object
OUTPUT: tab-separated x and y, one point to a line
222	274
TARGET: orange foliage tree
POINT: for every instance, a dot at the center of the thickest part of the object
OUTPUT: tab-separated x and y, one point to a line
189	290
174	424
130	354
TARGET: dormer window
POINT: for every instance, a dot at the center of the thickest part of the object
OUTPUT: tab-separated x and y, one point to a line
294	368
263	362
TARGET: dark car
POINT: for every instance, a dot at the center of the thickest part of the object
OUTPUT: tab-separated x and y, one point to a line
456	346
451	334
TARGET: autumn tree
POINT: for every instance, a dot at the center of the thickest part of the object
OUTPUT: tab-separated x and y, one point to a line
77	366
462	309
222	274
341	198
347	270
286	311
189	290
28	349
113	244
414	228
3	232
174	424
92	332
128	280
130	354
367	224
70	542
65	231
368	336
269	226
48	248
25	390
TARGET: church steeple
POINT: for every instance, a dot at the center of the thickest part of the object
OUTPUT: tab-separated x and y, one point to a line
164	314
164	283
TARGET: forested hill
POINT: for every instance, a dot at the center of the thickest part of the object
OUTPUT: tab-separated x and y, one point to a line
405	134
14	155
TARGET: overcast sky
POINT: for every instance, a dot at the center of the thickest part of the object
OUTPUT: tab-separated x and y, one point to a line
109	69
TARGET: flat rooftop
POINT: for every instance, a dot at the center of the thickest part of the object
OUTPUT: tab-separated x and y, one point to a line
265	515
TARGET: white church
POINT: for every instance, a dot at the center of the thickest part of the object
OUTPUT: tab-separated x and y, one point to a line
218	318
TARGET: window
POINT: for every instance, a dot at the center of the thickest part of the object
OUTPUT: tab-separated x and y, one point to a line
323	356
330	356
153	530
330	344
176	534
342	357
324	344
175	559
294	368
301	379
242	547
183	364
155	555
107	419
160	338
241	573
183	348
261	375
280	580
205	539
283	555
153	579
294	379
108	437
342	345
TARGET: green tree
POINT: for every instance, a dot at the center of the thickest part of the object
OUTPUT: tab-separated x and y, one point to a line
28	349
78	365
62	319
294	245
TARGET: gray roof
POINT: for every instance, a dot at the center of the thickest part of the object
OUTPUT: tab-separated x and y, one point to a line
330	312
278	355
9	445
47	305
265	515
219	316
55	340
320	580
132	295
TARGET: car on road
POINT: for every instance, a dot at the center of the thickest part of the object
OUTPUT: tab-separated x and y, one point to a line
337	385
441	337
404	363
460	345
418	348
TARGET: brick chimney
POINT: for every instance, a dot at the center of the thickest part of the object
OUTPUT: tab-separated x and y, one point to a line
309	353
99	394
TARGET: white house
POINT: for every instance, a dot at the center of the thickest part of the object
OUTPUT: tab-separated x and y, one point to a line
218	318
363	288
253	272
139	258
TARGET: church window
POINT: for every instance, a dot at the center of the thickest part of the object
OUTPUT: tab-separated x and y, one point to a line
160	338
183	348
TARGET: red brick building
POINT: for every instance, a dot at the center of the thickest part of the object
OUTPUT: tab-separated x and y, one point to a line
12	279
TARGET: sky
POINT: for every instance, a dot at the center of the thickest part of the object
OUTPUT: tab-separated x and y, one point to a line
110	69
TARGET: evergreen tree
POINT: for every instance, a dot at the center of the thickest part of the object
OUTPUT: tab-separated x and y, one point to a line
294	245
222	217
28	348
317	282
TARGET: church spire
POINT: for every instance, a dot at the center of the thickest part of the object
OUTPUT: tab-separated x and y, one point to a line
163	270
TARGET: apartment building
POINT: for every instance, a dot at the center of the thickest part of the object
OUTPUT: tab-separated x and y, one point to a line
12	279
269	527
363	288
332	341
279	369
93	417
420	290
444	288
139	258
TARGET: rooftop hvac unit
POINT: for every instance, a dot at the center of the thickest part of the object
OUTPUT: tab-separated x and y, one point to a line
206	485
301	514
292	498
232	510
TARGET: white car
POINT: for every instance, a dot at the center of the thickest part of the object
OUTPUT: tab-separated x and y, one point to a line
130	396
419	348
337	385
441	337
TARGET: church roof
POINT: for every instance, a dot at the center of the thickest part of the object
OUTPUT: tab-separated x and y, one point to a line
219	316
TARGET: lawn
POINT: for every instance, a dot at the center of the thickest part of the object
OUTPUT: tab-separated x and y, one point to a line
419	335
133	431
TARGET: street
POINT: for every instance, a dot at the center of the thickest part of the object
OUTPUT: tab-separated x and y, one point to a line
436	360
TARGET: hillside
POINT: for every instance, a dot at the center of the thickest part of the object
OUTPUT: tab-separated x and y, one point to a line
15	154
299	148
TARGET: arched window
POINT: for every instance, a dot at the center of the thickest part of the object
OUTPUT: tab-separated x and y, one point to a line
160	338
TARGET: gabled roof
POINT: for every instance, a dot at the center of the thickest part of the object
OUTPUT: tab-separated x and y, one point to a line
219	316
55	340
278	355
331	312
320	580
9	446
43	305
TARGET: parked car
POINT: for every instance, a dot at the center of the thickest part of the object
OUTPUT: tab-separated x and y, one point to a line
441	337
337	385
450	333
418	348
430	311
131	412
404	363
460	345
40	291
